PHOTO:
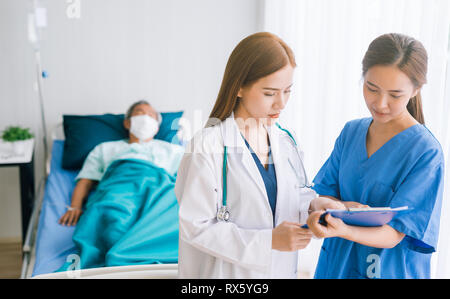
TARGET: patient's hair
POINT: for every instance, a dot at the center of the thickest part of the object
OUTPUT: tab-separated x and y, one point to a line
255	57
406	53
130	110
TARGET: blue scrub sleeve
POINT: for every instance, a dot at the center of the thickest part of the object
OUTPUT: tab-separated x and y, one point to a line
422	191
326	181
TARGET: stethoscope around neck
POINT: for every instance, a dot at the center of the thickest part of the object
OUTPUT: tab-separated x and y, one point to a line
223	214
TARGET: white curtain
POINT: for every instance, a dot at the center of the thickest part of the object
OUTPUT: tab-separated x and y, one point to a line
329	38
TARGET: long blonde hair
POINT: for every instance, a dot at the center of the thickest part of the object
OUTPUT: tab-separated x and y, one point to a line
255	57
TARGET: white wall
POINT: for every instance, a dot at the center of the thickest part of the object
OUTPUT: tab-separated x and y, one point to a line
171	52
16	103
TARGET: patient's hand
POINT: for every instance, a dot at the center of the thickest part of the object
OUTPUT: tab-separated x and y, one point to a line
71	217
81	191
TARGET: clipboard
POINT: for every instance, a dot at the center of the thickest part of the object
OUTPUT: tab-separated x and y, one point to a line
367	217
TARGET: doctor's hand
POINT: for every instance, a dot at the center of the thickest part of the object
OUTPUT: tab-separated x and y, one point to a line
323	203
335	226
289	236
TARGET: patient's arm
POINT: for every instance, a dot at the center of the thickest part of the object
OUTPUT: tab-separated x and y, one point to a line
81	191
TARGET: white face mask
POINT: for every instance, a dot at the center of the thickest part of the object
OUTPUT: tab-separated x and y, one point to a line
143	127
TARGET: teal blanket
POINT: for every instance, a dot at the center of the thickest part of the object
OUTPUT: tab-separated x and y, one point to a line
131	218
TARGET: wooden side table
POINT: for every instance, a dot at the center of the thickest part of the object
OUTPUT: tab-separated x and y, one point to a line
25	162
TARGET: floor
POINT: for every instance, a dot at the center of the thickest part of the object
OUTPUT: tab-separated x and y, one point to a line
10	259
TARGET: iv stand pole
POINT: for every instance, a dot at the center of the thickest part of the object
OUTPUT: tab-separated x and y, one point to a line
41	106
29	238
39	76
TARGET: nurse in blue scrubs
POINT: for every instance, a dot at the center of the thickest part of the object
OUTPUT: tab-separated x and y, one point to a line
388	160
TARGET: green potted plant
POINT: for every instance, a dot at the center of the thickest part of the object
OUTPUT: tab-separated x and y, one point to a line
18	137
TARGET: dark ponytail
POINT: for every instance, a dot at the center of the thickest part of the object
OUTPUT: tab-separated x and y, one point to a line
415	108
409	55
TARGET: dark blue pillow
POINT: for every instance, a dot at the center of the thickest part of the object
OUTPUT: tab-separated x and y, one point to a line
169	127
84	132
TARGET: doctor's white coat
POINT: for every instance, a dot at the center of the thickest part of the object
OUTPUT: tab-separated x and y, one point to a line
242	247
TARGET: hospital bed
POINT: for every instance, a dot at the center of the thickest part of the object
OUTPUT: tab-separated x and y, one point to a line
48	244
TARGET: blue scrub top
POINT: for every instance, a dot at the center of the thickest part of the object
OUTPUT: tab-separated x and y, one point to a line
407	170
269	177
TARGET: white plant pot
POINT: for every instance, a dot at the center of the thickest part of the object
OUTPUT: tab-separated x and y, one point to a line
19	147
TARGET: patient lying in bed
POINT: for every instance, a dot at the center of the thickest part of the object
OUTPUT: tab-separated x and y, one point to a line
163	154
132	217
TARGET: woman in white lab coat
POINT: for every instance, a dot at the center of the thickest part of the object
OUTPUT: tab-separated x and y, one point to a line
262	178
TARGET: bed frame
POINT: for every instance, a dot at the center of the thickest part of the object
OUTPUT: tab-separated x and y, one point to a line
132	271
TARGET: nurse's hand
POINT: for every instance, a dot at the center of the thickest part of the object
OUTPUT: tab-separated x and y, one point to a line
289	236
323	203
354	204
335	226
